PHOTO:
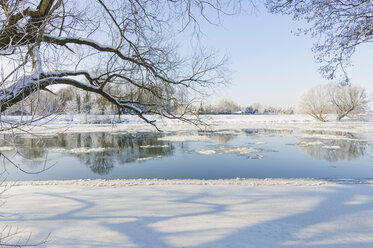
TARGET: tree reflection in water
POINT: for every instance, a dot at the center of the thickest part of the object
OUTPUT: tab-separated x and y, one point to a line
345	146
121	148
332	150
118	149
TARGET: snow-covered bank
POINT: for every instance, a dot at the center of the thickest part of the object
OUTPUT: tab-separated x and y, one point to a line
194	213
129	123
236	181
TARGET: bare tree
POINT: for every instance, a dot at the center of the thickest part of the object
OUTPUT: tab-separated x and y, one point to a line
348	100
315	102
53	42
339	26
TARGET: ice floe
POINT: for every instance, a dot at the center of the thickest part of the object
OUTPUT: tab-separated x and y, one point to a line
260	143
6	148
331	147
181	138
154	146
205	152
77	150
241	150
257	156
330	137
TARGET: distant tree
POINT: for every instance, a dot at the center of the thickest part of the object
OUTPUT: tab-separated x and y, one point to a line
348	100
339	26
67	100
315	102
78	103
226	106
250	110
258	108
87	103
287	111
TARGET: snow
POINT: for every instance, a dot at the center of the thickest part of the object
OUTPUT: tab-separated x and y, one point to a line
331	147
145	158
155	146
223	124
194	213
260	143
241	150
78	150
205	152
6	148
315	143
329	137
181	138
256	156
148	158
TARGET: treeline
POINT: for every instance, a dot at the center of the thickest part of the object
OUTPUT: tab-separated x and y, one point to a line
71	100
65	101
226	106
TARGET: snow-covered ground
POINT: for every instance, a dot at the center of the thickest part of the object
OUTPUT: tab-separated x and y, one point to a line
194	213
130	123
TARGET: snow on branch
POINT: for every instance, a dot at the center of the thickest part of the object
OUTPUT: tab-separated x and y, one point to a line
30	84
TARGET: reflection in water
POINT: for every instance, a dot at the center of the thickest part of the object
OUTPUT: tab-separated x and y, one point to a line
119	149
269	132
222	138
97	162
323	145
102	152
334	150
333	146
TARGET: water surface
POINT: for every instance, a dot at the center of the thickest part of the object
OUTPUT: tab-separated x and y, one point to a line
251	153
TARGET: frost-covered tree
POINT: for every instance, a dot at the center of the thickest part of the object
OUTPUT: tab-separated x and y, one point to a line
226	106
339	26
40	104
315	102
348	100
131	43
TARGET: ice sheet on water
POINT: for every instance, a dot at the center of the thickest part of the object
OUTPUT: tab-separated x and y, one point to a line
257	156
260	143
226	150
154	146
77	150
148	158
205	152
309	143
331	147
144	159
5	148
329	137
181	138
241	150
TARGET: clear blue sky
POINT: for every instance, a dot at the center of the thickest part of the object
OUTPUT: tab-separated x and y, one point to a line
270	64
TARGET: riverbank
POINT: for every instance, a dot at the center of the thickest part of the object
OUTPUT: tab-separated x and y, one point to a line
130	124
193	213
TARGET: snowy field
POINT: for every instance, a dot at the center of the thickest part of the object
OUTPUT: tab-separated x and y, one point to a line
182	213
193	213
